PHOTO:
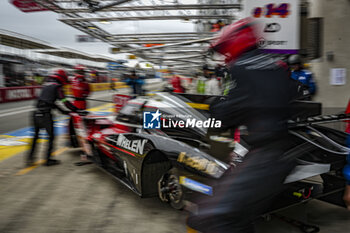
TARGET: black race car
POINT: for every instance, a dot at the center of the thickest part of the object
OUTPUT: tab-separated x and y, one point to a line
179	163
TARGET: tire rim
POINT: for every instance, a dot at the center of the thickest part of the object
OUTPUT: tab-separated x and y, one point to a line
175	190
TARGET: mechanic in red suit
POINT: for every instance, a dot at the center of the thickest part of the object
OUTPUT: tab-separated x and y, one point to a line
176	83
80	87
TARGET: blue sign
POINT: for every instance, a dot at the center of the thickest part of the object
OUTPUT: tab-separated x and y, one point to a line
151	120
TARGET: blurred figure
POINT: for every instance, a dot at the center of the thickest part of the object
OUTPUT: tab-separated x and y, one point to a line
38	79
177	85
201	81
302	75
80	87
213	86
217	26
191	88
135	82
52	90
347	167
258	101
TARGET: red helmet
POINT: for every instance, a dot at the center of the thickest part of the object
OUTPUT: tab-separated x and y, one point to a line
236	39
61	79
63	76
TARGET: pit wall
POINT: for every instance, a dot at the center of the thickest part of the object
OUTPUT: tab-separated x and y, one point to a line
11	94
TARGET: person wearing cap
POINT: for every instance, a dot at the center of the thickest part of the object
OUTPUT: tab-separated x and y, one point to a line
259	101
80	87
52	91
300	74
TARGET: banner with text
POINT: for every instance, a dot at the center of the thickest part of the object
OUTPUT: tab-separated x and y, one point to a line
280	24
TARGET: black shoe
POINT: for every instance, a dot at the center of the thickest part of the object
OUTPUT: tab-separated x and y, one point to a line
51	162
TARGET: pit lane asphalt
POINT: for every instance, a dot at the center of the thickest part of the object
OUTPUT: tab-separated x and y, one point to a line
67	198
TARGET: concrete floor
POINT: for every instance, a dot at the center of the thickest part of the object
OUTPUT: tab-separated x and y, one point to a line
66	198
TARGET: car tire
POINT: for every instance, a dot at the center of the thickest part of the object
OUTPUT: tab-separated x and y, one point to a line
154	172
175	194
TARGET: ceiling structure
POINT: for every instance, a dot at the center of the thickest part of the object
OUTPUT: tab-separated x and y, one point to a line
185	50
20	41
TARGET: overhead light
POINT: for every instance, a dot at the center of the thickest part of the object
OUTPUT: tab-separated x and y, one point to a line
105	22
92	27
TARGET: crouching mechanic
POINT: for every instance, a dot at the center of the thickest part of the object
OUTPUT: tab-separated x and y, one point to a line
52	90
258	101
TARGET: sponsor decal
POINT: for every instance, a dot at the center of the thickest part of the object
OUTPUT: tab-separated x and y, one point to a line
269	10
136	146
262	42
8	94
198	163
196	186
281	23
18	94
272	27
152	120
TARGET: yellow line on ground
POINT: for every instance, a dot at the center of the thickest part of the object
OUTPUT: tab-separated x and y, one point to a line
199	106
39	162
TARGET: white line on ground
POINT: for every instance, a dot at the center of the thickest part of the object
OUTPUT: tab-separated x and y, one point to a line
14	109
16	112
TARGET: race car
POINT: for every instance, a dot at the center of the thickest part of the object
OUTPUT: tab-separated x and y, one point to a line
144	147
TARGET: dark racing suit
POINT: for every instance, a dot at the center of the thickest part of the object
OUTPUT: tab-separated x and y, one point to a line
258	101
42	117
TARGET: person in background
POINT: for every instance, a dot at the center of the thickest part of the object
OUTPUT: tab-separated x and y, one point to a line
38	79
177	85
51	92
80	87
213	86
201	81
135	82
300	74
191	87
